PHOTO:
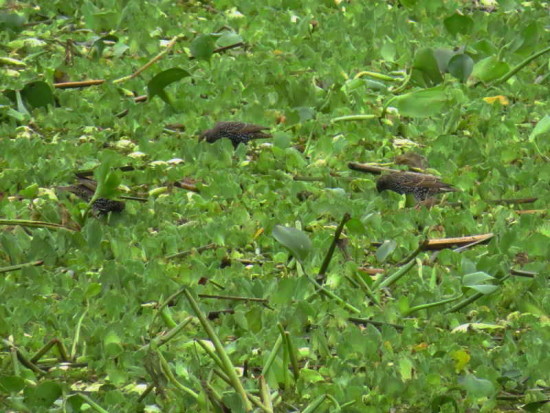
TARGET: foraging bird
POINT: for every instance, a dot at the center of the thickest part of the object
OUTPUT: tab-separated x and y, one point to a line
85	189
420	185
237	132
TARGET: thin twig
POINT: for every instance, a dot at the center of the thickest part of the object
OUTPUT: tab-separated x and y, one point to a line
151	62
233	298
75	85
326	262
20	266
523	273
377	170
513	201
191	251
356	320
223	49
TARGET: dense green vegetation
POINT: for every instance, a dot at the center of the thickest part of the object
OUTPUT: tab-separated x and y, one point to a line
214	295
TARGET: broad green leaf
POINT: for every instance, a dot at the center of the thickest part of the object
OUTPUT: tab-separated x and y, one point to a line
489	69
387	247
203	47
93	290
476	281
43	395
355	226
106	177
461	66
426	64
458	23
295	240
542	127
443	57
38	94
11	384
476	386
157	85
484	289
311	376
423	103
476	278
29	192
228	38
12	22
112	343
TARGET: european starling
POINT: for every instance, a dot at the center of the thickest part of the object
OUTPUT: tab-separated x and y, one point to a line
237	132
85	190
420	185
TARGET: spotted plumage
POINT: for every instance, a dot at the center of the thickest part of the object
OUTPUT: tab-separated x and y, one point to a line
104	206
237	132
420	185
85	190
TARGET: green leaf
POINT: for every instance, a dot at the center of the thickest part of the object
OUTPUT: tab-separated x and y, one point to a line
228	38
43	395
443	57
112	344
461	66
476	281
106	177
295	240
425	64
12	22
11	384
38	94
542	127
476	278
477	387
458	23
422	103
29	192
489	69
159	82
203	47
387	247
311	376
93	290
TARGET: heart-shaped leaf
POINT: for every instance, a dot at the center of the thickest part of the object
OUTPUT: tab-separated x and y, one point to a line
159	82
461	66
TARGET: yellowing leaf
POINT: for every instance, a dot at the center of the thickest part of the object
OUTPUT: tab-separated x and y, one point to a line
420	347
492	99
259	232
461	359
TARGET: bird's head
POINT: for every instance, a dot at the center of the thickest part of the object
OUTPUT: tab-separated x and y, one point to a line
382	183
208	135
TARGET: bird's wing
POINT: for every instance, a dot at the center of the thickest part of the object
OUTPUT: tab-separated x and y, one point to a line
250	128
427	181
435	183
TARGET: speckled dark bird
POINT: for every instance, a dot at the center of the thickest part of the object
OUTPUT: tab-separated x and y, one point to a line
85	189
420	185
237	132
